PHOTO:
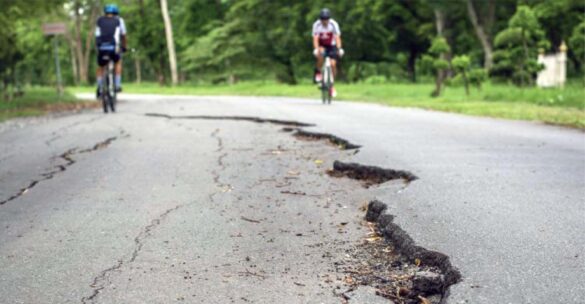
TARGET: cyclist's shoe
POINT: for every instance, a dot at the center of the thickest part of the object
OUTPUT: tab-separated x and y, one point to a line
333	92
118	89
98	93
318	77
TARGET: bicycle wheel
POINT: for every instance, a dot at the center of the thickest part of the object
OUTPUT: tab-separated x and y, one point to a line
329	82
324	83
112	88
324	93
105	94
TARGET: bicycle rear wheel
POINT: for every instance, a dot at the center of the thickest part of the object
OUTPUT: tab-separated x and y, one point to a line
105	94
112	87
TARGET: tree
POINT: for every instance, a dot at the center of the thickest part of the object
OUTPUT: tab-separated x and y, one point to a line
461	66
435	62
170	41
518	47
12	52
482	29
84	12
577	44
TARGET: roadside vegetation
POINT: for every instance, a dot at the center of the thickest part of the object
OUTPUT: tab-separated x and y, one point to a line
37	101
555	106
476	57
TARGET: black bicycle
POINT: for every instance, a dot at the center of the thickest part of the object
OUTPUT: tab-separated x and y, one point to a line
108	90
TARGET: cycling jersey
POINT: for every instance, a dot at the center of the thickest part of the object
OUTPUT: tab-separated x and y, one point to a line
326	33
108	31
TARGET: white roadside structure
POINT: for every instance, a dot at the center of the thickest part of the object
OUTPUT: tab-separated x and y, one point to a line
554	73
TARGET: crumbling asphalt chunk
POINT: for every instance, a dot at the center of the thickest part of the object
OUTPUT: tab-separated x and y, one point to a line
369	175
375	209
412	271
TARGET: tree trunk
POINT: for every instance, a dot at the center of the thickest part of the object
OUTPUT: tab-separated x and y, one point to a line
161	72
465	82
481	35
138	69
78	44
84	51
412	64
170	42
90	36
74	61
440	24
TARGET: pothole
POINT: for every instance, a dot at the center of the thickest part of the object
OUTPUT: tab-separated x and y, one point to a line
400	271
369	175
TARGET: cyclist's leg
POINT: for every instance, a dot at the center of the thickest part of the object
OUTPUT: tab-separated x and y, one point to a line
118	69
320	58
334	55
99	72
318	65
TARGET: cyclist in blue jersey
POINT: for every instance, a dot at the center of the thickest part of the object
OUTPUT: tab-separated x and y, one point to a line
110	37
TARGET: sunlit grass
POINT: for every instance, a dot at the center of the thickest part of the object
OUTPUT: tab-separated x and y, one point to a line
35	101
556	106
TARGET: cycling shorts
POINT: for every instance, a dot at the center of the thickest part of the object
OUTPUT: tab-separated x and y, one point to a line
331	51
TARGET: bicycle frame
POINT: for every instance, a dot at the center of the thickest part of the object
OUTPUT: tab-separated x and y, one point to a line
327	81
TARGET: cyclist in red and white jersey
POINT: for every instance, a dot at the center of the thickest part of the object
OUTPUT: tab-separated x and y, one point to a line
326	40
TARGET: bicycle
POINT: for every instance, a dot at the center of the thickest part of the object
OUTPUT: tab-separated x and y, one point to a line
108	89
327	80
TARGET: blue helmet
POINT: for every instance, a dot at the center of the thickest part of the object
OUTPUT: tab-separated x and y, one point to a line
111	9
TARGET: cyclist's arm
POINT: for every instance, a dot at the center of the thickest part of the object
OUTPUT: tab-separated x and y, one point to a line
337	34
123	33
315	41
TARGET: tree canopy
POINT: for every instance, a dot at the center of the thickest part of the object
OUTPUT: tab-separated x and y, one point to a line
233	40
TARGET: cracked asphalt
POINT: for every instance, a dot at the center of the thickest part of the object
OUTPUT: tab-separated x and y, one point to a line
130	208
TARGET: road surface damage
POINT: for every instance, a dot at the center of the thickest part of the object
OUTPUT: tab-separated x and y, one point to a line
390	261
339	142
369	175
69	161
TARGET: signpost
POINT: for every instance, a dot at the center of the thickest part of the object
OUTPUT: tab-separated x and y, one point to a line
54	30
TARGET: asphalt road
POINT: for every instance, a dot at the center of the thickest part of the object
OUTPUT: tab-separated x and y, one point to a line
129	208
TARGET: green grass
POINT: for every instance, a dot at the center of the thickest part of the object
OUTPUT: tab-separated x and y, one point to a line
35	101
556	106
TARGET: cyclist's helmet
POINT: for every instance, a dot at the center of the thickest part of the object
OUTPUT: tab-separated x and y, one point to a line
111	9
325	14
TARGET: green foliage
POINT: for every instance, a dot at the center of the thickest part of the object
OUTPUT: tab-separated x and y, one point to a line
477	76
517	48
577	44
13	16
461	63
229	40
439	46
436	63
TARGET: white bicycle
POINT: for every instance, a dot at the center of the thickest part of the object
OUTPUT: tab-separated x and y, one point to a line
327	77
327	80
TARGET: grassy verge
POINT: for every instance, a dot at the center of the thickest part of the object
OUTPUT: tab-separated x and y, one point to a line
38	101
556	106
